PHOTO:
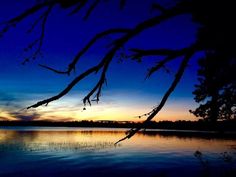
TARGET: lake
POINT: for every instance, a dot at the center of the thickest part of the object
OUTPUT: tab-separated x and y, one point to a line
90	152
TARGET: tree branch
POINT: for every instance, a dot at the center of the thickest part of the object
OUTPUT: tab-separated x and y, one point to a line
138	53
91	8
156	110
109	56
98	87
130	33
39	41
117	44
158	7
78	7
68	88
12	22
98	36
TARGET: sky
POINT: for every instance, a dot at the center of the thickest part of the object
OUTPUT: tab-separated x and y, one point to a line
127	93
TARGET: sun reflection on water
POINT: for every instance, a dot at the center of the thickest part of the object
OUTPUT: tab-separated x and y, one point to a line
97	139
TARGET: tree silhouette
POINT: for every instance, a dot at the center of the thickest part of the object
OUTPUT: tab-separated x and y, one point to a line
216	34
216	89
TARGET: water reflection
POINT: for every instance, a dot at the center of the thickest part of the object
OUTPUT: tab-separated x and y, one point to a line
55	140
82	139
91	152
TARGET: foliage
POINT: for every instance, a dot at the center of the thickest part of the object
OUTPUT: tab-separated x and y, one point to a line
217	88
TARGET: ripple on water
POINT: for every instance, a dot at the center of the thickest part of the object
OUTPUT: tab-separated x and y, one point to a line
92	153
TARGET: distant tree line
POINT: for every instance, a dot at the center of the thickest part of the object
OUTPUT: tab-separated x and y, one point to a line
221	126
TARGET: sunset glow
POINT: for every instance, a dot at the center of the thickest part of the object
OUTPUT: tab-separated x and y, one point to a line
127	94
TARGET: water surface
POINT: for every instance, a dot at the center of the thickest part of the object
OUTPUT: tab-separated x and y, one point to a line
61	152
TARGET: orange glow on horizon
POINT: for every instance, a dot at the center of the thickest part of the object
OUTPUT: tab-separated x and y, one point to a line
128	110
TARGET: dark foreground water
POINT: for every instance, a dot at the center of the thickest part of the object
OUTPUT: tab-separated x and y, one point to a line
61	152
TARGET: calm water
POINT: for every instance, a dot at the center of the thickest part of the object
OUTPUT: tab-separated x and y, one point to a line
42	152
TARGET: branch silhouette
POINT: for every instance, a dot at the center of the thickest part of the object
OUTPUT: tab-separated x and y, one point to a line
72	65
215	35
117	44
156	110
169	54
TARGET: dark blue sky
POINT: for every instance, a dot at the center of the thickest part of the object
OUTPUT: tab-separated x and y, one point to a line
128	93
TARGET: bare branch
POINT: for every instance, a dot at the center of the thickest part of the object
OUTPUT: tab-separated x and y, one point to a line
52	69
104	63
156	52
43	27
156	110
39	41
158	7
160	64
12	22
169	54
117	45
71	66
139	28
68	4
67	89
109	56
91	8
79	7
35	23
98	87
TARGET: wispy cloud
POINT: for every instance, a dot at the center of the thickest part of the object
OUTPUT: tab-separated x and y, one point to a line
12	107
24	115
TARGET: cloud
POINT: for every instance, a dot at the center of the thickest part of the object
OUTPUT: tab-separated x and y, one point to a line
2	118
11	101
6	97
24	115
